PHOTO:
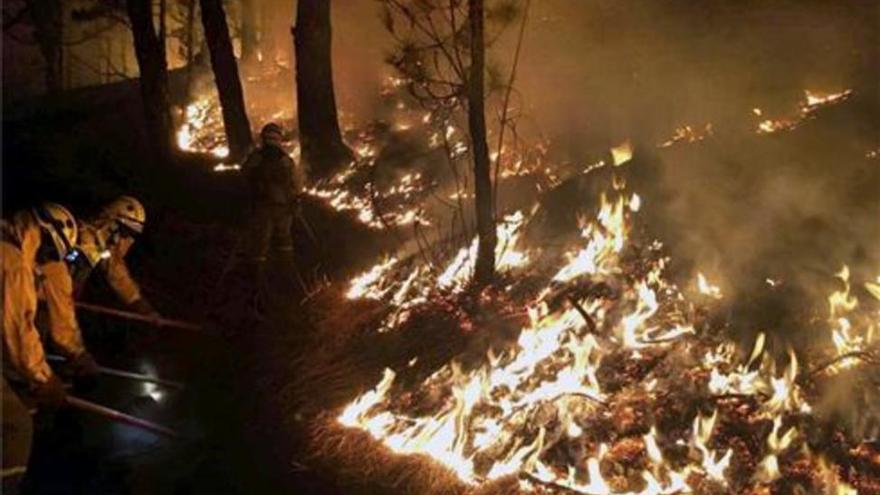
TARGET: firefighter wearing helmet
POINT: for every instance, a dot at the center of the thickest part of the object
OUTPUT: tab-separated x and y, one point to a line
104	243
273	184
28	239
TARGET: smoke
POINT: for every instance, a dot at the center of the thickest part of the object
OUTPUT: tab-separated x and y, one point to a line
792	207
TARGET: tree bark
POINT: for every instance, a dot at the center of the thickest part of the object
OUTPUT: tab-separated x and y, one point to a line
47	19
153	77
249	30
323	150
235	119
484	271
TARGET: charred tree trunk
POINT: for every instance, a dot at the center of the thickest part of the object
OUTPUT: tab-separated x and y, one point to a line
47	18
484	271
153	76
249	30
235	119
322	147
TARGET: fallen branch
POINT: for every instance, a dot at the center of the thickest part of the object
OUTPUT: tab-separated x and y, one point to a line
583	312
861	355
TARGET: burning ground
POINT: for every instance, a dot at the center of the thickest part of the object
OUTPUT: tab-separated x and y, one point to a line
600	363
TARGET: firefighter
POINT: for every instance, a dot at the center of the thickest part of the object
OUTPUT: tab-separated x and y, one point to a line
274	198
29	238
104	243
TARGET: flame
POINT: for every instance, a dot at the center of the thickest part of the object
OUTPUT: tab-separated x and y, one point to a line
704	287
202	128
713	465
459	271
622	153
846	338
605	240
553	364
688	134
488	419
363	203
365	286
813	100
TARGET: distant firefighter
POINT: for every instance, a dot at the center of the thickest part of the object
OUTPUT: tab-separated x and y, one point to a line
29	238
104	243
274	195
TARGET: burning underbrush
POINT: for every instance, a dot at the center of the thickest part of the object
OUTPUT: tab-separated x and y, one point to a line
410	169
585	370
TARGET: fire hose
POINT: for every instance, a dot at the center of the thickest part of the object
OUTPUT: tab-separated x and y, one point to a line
159	322
120	417
126	374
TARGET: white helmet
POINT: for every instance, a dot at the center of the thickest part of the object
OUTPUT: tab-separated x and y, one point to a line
127	211
59	224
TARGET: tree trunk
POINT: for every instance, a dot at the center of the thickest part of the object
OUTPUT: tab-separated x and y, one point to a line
190	30
163	30
322	148
249	30
153	77
235	119
484	271
47	18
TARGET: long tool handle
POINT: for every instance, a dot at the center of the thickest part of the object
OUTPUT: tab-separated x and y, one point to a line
126	374
120	417
159	322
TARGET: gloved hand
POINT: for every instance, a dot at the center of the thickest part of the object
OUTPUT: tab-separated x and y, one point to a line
143	307
84	366
50	394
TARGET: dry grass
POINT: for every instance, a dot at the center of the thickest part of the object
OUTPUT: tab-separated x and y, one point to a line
356	459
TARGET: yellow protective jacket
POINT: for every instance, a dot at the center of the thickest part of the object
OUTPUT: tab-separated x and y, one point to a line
23	353
110	260
57	289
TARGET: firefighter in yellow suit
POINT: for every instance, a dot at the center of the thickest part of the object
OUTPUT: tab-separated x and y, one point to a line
44	233
104	243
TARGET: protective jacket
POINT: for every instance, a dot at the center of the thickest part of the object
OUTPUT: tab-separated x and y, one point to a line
272	177
23	354
107	255
57	290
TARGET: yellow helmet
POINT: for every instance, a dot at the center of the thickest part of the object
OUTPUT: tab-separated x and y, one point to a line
128	212
57	221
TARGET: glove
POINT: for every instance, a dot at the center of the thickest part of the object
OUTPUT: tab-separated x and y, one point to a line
50	394
143	307
84	366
